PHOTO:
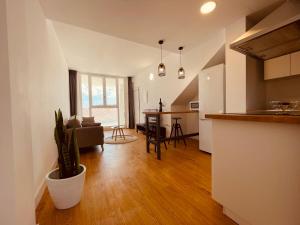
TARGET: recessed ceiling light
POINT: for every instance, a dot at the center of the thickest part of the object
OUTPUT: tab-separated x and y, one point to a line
208	7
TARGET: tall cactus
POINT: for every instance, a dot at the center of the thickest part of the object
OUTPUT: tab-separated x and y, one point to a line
68	151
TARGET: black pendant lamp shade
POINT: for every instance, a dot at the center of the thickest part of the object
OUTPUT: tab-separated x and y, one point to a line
161	66
181	72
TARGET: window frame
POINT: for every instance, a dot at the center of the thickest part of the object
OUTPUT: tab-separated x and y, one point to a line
91	106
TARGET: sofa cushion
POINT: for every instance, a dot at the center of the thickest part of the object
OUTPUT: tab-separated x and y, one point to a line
73	123
88	119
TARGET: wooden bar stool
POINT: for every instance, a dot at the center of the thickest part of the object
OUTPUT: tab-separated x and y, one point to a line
176	127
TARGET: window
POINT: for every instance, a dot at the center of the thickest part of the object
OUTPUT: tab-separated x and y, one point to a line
107	116
97	91
104	98
85	97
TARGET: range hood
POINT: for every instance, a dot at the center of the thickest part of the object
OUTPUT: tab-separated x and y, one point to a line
276	35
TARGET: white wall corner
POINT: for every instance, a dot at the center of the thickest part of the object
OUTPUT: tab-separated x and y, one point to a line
42	187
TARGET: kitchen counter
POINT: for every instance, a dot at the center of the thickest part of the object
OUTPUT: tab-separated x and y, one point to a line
256	117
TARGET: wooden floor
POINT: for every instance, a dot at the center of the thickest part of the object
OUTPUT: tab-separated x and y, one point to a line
125	185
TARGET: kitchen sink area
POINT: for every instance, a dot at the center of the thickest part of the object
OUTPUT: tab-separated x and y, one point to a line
279	108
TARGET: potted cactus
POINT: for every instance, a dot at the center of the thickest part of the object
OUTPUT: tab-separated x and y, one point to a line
65	183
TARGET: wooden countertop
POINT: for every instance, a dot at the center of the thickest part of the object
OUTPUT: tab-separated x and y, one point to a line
256	118
179	112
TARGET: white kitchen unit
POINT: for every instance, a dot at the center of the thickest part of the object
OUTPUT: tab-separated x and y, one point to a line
211	100
295	63
277	67
256	169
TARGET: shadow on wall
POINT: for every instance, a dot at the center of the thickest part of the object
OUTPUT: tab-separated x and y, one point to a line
189	122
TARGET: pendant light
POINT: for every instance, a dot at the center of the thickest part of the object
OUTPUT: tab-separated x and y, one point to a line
181	72
161	66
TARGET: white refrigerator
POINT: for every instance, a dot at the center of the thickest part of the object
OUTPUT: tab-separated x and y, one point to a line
211	101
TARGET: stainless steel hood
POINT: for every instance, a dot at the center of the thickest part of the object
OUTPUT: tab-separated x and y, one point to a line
277	34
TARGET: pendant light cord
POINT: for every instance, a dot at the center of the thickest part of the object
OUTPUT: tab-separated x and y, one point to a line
161	53
180	51
180	58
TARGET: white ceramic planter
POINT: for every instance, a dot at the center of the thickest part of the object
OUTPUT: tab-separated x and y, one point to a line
66	193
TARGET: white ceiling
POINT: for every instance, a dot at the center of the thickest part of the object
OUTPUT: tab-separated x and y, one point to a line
93	52
147	21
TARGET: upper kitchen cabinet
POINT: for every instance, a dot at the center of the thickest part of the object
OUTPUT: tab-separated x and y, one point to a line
283	66
295	63
277	67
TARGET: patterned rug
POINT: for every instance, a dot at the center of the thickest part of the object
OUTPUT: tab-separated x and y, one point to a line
120	140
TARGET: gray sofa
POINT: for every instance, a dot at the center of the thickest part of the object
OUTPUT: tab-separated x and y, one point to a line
89	134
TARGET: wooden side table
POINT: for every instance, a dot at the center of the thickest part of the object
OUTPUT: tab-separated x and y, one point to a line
117	129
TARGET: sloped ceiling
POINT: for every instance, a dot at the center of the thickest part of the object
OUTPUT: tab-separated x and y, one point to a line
218	58
146	21
188	93
93	52
119	37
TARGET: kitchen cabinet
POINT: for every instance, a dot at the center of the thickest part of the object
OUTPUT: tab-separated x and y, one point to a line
255	168
283	66
295	63
277	67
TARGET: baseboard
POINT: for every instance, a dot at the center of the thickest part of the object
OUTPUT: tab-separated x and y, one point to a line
234	217
205	152
42	187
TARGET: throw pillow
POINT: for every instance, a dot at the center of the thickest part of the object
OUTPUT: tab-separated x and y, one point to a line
88	119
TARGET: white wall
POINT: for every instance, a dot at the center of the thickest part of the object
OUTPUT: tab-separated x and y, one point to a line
7	171
47	66
21	208
33	83
169	87
235	70
190	121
